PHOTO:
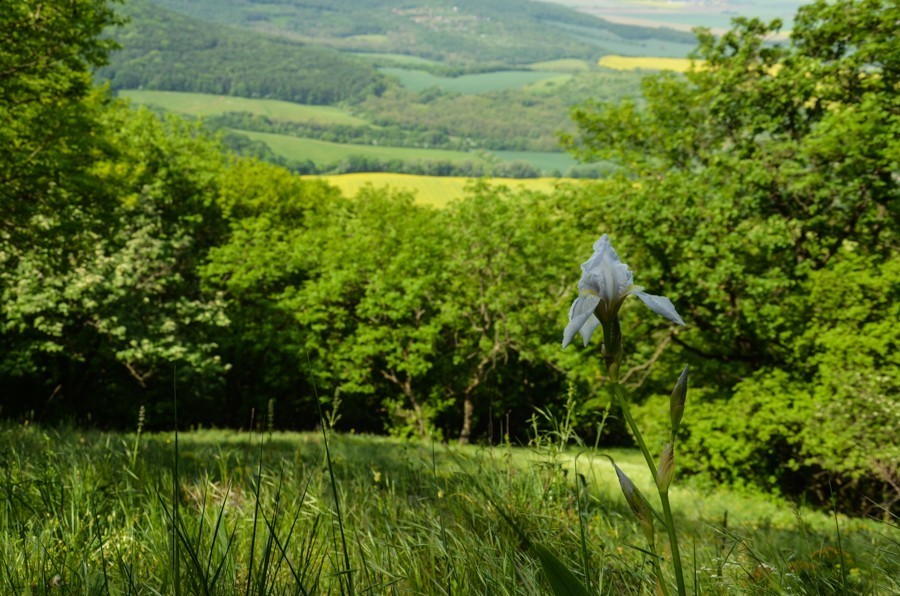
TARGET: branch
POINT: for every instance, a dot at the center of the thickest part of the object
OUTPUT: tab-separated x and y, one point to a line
648	365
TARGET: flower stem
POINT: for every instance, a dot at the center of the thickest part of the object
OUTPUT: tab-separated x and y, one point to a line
623	404
673	541
663	494
658	571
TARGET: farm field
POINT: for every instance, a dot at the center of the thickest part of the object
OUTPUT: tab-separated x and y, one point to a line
261	513
202	104
419	80
436	191
608	42
545	161
562	65
324	152
396	58
645	63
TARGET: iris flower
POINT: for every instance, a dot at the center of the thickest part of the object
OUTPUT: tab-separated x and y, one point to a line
605	283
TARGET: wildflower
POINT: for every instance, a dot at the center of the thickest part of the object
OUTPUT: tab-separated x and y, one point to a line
605	283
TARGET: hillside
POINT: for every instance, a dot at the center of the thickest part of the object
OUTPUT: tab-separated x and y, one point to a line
456	95
163	50
461	32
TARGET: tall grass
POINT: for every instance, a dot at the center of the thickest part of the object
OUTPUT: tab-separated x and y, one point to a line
81	513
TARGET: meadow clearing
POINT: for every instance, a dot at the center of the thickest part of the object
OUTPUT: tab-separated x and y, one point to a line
223	512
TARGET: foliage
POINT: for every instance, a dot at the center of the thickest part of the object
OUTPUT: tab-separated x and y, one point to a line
266	255
45	53
114	307
105	215
751	187
395	313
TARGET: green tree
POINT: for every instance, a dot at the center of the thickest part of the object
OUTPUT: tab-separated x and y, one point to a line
747	185
104	216
46	52
273	216
773	156
97	304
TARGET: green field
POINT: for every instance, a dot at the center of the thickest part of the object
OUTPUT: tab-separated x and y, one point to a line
544	161
436	191
562	65
473	84
324	152
397	58
201	104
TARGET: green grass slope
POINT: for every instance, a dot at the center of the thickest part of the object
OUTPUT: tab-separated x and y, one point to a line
515	32
224	512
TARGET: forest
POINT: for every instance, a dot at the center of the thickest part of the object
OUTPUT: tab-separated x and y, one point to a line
163	50
457	34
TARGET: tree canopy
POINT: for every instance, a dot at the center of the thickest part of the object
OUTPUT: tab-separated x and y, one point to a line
751	186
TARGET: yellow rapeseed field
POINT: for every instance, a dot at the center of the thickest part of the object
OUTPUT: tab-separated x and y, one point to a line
432	190
645	62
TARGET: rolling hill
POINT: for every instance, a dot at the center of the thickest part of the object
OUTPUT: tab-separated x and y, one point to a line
164	50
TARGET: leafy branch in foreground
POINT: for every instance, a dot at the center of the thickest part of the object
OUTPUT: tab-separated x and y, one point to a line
605	284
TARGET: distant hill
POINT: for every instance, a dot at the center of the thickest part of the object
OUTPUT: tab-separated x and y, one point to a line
510	32
164	50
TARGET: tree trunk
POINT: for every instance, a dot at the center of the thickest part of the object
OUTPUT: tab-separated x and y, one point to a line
468	410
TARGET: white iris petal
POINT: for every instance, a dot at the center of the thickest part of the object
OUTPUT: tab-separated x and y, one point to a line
579	317
660	305
604	284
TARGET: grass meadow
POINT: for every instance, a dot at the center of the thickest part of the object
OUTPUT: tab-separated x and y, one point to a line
325	152
396	58
202	104
227	512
